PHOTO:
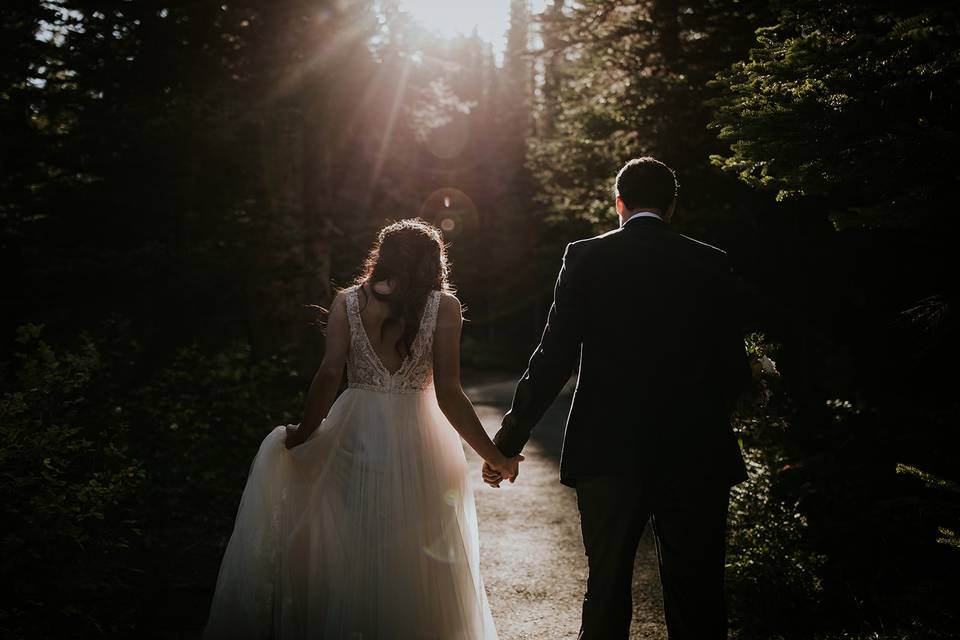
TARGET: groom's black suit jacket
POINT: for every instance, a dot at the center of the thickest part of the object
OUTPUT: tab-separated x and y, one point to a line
650	314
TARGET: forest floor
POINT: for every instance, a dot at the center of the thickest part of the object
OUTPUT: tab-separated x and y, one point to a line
531	550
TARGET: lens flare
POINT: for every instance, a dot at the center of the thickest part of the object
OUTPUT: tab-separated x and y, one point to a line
441	554
452	210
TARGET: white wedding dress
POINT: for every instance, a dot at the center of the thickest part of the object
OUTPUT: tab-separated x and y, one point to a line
368	529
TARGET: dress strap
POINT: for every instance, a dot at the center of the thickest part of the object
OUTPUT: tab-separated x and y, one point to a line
430	315
353	312
428	322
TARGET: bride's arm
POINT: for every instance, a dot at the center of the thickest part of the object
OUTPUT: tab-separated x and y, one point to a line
323	389
452	400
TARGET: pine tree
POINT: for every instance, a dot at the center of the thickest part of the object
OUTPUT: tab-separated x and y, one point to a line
634	81
552	28
854	102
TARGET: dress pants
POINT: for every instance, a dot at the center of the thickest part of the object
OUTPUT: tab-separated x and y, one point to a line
690	529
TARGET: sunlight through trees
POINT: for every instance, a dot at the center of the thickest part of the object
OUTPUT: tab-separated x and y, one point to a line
181	181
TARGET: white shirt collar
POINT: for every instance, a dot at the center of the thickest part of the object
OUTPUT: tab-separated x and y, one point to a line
642	214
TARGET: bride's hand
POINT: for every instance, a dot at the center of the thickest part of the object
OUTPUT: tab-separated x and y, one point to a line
508	468
294	436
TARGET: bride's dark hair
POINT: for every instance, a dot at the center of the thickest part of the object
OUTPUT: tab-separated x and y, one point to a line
413	255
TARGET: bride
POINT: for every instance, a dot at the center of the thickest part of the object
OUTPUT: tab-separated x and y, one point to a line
360	522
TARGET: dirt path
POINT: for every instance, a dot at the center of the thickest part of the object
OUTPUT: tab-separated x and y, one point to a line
531	551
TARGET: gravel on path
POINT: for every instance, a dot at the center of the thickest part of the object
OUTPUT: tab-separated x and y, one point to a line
531	550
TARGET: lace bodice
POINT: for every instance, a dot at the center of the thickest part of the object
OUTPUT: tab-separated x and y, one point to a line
364	367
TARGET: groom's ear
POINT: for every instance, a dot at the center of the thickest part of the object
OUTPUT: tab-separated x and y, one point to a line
620	205
670	210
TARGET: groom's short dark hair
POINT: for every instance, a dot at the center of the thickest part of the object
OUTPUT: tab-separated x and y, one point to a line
646	182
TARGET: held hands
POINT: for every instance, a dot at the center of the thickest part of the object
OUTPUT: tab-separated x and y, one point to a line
509	468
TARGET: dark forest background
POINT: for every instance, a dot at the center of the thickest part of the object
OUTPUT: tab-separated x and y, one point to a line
179	181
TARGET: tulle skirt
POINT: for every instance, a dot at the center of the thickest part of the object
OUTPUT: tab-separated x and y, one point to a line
366	530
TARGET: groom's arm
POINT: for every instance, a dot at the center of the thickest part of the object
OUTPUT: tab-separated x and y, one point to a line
552	362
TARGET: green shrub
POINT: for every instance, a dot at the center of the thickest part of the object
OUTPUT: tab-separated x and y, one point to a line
68	492
203	418
772	570
121	478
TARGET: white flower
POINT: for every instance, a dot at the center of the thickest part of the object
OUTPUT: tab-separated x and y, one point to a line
768	366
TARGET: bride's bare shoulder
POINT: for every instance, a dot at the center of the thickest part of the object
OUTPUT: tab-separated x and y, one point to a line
340	297
449	309
339	302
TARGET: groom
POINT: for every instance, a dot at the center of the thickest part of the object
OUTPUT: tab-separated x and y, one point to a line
649	314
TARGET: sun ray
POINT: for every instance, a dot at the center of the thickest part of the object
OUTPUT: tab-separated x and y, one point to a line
391	121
